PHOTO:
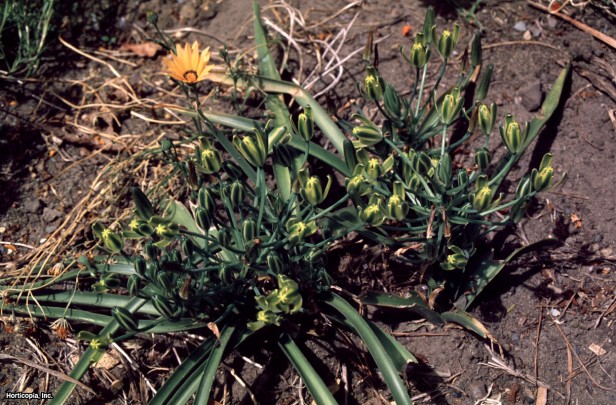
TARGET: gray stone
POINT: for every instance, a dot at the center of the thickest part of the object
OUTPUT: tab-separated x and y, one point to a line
50	214
520	26
33	206
532	96
477	390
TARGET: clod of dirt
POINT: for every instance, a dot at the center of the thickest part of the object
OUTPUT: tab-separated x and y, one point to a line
33	206
51	214
531	95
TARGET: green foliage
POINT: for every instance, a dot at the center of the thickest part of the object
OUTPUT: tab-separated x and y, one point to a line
247	256
24	26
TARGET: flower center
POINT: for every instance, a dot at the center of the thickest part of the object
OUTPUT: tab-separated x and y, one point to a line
190	76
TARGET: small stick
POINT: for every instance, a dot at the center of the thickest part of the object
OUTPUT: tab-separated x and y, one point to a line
536	370
597	34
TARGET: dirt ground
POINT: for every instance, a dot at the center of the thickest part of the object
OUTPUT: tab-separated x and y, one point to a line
552	313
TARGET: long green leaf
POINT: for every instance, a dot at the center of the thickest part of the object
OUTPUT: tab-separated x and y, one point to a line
413	303
91	355
398	353
379	354
318	389
469	322
485	271
213	361
274	103
95	299
183	374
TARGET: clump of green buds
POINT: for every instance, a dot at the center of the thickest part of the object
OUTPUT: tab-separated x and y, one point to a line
286	299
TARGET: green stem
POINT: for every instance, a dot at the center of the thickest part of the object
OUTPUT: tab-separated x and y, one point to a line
421	90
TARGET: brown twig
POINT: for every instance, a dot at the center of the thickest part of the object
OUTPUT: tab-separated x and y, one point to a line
597	34
536	369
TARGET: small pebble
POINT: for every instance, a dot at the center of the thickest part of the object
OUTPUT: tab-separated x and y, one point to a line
477	390
520	26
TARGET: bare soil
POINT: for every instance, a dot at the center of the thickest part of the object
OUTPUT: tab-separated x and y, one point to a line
552	313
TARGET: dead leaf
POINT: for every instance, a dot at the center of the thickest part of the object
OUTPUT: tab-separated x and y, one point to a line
576	220
145	50
596	349
214	328
542	396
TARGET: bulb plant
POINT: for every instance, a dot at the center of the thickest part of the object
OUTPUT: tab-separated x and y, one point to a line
245	256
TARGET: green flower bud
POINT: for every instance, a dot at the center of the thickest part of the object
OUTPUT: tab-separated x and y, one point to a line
151	250
398	190
448	40
249	229
232	169
274	262
264	318
298	230
140	227
525	187
305	124
193	177
203	219
368	135
462	178
450	108
374	169
414	182
163	306
486	117
164	281
164	228
358	185
482	158
420	53
152	17
313	192
420	161
476	50
132	285
428	24
124	318
392	101
482	199
316	257
211	160
166	146
513	136
206	200
142	204
372	214
236	193
140	266
252	148
396	208
350	158
456	260
374	85
288	296
112	241
484	83
542	179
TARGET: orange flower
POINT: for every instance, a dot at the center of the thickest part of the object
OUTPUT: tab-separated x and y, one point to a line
188	65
